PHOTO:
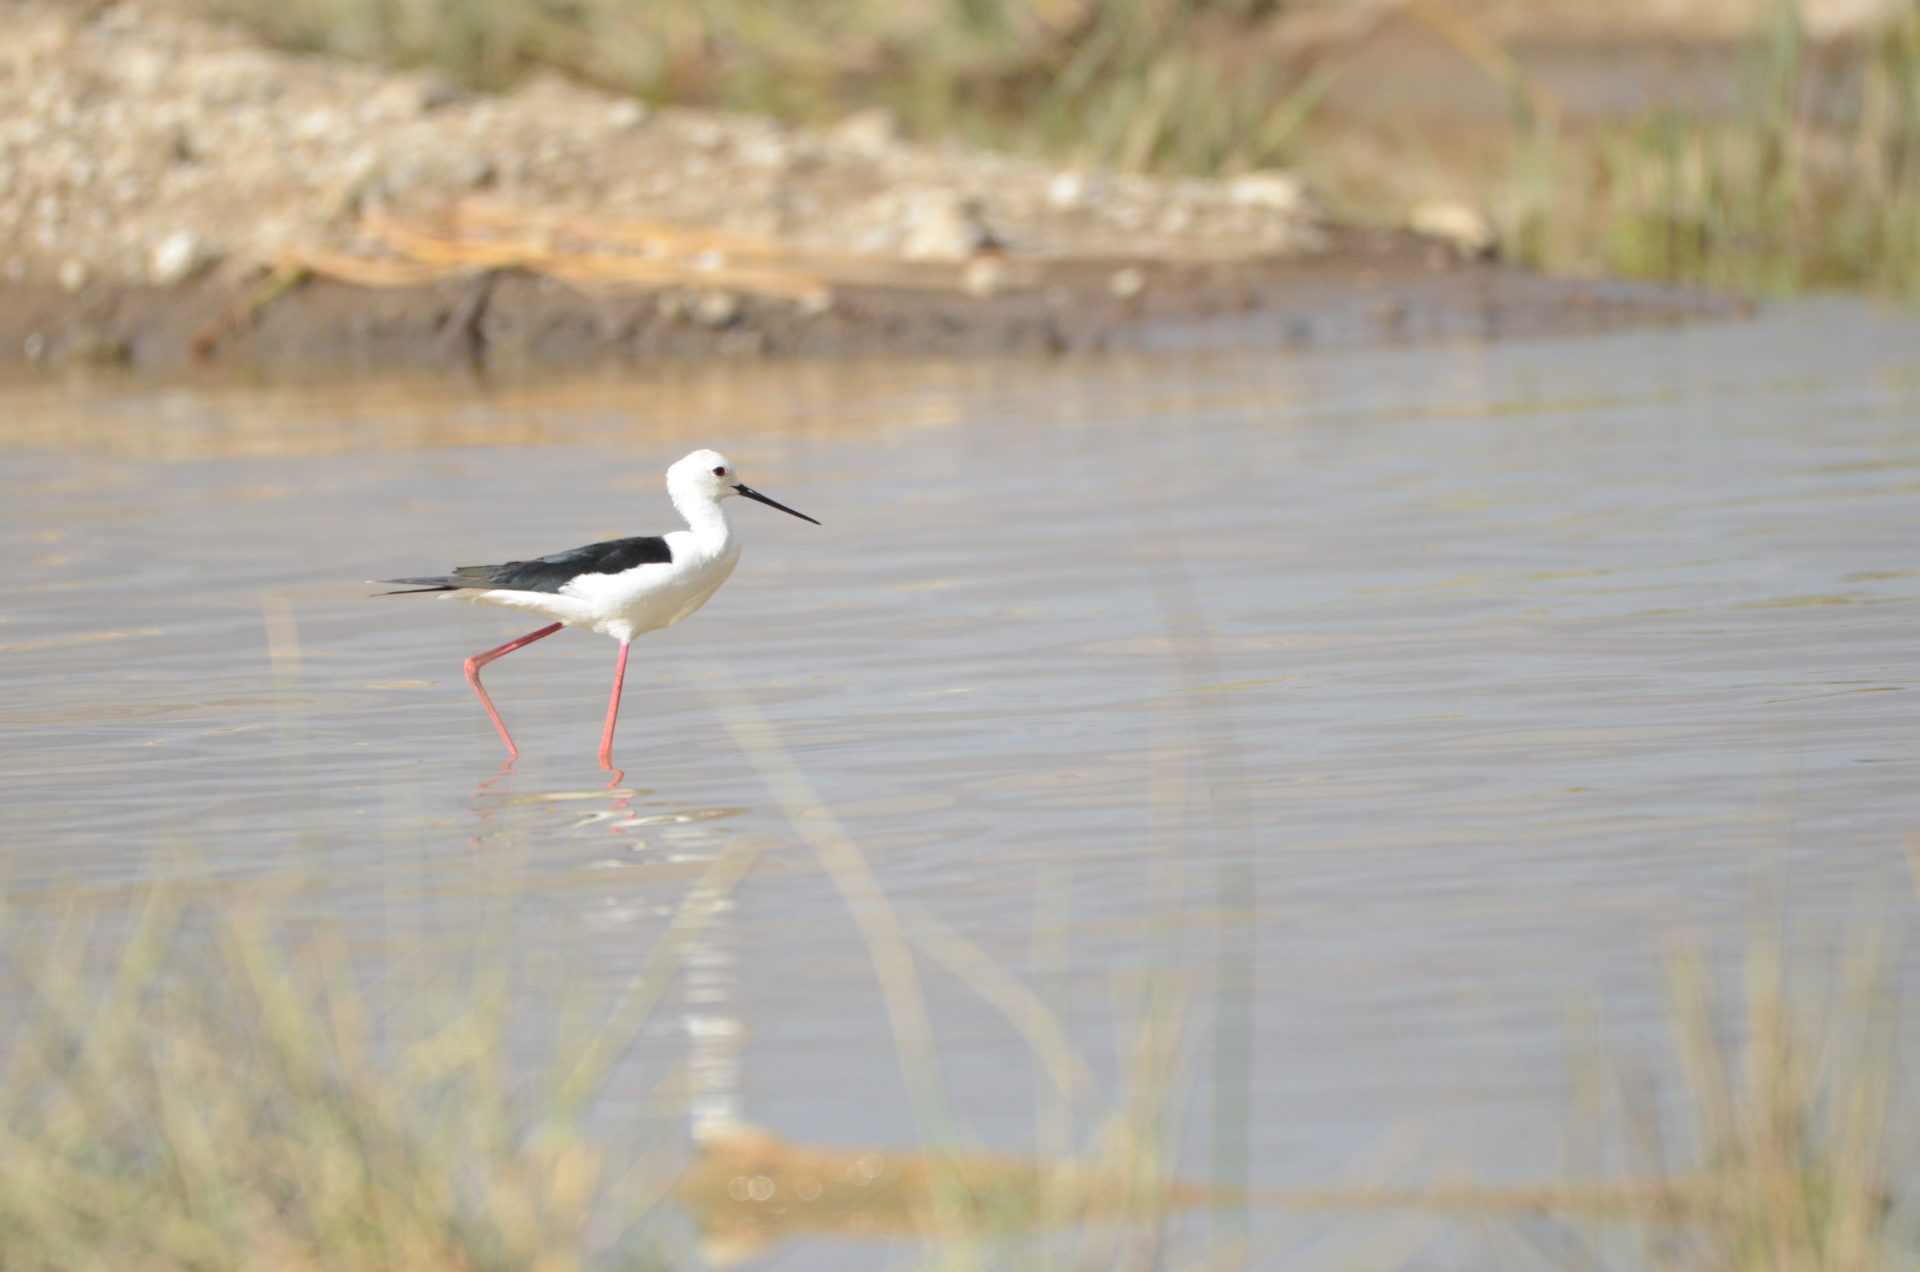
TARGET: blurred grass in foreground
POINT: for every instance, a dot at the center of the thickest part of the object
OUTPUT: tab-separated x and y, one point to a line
217	1095
1811	181
211	1092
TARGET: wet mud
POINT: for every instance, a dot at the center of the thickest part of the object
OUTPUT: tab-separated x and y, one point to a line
1367	288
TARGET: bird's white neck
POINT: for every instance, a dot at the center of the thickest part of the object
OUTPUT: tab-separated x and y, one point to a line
706	518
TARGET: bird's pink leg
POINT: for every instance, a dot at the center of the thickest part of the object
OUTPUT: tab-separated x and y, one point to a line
475	663
613	708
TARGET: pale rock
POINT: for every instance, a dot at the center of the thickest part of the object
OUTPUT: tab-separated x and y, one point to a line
1127	283
1272	190
316	124
409	95
1463	228
766	151
703	134
984	276
716	308
1067	191
868	132
627	114
946	226
178	257
143	69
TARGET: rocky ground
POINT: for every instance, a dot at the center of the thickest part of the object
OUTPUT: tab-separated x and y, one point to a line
171	191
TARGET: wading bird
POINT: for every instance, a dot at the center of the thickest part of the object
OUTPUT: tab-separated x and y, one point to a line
621	588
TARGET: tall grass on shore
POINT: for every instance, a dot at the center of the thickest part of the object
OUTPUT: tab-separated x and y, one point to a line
1172	85
1811	181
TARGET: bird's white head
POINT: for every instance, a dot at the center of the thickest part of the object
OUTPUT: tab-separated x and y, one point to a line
707	476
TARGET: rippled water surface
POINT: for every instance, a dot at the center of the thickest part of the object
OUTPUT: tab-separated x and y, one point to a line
1433	690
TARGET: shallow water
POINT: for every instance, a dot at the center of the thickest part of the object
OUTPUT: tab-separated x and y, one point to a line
1437	689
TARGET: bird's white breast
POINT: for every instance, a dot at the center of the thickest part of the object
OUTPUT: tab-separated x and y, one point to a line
649	597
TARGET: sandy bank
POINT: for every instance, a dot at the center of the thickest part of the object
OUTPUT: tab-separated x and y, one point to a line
170	191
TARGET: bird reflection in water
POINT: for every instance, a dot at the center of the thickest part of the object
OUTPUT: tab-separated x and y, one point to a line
617	813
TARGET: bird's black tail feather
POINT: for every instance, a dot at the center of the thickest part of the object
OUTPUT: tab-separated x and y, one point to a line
440	583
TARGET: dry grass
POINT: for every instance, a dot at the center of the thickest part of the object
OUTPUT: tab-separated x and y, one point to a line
209	1092
1174	85
1797	1135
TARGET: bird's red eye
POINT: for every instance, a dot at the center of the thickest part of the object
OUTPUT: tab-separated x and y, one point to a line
719	472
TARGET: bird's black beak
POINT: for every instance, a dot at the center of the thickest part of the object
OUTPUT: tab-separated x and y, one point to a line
757	497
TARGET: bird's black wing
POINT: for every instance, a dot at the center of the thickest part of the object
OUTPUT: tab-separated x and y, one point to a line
549	573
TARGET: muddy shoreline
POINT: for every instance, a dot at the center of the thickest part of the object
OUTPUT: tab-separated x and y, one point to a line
173	193
1366	287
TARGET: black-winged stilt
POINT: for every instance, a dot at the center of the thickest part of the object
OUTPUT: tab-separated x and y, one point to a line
623	587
